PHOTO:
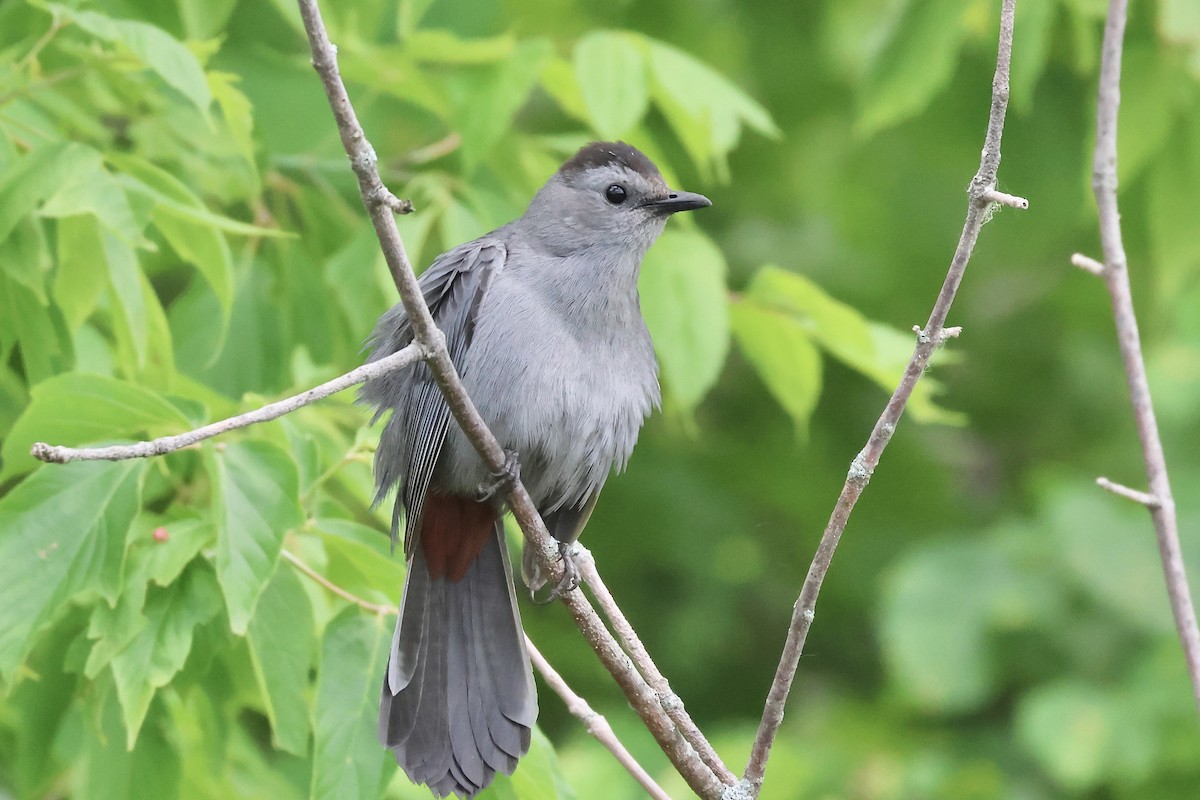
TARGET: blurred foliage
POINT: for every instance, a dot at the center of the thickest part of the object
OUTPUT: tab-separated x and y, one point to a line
180	240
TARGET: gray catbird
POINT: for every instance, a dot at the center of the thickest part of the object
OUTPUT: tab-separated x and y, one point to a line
542	321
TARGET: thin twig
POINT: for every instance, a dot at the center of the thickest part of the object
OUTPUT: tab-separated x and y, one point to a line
1088	264
57	454
1010	200
980	196
1116	279
435	150
57	23
364	162
374	608
1121	490
593	722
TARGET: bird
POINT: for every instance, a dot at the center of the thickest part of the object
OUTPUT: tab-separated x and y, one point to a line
543	322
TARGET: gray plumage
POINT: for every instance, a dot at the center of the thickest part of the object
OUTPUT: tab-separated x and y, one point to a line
542	320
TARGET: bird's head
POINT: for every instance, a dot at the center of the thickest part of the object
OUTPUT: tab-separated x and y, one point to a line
608	195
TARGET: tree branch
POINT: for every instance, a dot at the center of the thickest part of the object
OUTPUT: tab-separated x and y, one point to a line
633	646
981	193
594	723
364	162
366	605
1115	272
1121	490
57	454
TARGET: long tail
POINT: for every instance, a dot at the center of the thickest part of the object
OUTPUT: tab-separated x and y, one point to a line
458	699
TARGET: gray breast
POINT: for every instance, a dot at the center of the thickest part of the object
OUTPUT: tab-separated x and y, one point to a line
567	388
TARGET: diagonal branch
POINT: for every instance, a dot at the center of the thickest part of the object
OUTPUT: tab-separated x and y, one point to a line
364	162
1115	272
57	454
981	194
594	723
632	645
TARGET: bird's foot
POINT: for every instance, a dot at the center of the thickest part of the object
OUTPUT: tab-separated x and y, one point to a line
570	577
502	480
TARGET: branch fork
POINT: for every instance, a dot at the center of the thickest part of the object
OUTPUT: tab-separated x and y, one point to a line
1121	490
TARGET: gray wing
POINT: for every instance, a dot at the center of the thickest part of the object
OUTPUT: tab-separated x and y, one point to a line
412	439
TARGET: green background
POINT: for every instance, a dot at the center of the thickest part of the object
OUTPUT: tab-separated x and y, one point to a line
181	239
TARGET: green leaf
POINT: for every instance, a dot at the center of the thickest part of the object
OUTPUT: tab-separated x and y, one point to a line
248	357
35	713
159	367
347	759
154	182
282	639
77	283
612	77
1120	570
165	559
839	328
125	281
25	257
876	351
784	356
684	301
107	770
560	82
915	63
388	70
44	341
1170	217
494	97
538	776
1179	22
150	559
76	408
35	177
1032	27
153	46
1071	729
91	189
445	47
360	559
236	110
64	534
204	19
352	273
1085	33
256	503
699	101
201	246
1147	114
161	647
938	604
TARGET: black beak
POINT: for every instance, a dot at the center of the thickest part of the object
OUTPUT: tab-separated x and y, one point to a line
678	201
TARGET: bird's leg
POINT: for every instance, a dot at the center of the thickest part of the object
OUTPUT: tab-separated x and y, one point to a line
503	480
570	578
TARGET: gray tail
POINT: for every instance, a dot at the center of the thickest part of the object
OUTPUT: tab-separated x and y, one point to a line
458	700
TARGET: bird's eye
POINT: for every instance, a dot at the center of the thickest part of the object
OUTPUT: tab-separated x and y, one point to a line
615	194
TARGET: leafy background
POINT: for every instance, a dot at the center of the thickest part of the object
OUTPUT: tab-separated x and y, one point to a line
180	240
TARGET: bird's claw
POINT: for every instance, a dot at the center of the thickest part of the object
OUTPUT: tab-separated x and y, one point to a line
570	577
502	480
